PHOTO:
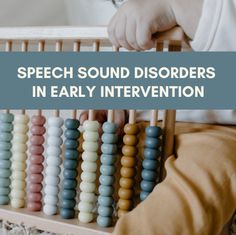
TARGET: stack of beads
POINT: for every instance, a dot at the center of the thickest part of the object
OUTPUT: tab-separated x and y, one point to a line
36	162
6	128
89	167
107	169
128	161
53	160
151	162
19	156
70	169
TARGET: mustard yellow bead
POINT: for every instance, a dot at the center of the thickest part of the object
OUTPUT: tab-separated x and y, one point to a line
126	183
131	129
127	172
125	193
130	140
124	204
129	150
128	161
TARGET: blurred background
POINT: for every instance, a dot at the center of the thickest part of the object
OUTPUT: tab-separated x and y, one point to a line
55	12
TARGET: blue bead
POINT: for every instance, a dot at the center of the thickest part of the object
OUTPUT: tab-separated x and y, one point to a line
109	127
109	138
72	123
71	144
6	127
4	182
5	173
5	154
105	211
68	194
106	180
5	191
151	154
6	117
5	136
104	221
106	190
67	213
109	148
147	186
143	195
149	175
5	145
153	143
70	174
153	131
69	184
68	204
107	170
4	200
5	164
105	201
108	159
70	164
150	164
72	134
71	154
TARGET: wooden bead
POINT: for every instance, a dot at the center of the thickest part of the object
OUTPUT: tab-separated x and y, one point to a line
88	176
150	164
49	209
151	154
69	183
109	148
106	180
55	121
90	156
87	187
130	140
91	136
36	140
54	140
131	129
147	186
129	150
86	207
72	124
125	193
53	161
104	221
38	130
105	211
128	161
89	166
109	138
71	154
107	170
108	159
21	128
90	146
149	175
5	154
122	212
67	213
68	194
153	131
106	190
70	174
144	195
124	204
6	117
54	131
152	143
68	204
72	134
85	217
126	183
20	138
105	201
70	164
127	172
38	120
71	144
87	197
109	127
5	136
91	125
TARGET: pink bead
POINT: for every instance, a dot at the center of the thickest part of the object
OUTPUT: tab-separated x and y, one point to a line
34	197
37	130
36	178
34	149
36	140
36	159
35	188
34	206
35	168
38	120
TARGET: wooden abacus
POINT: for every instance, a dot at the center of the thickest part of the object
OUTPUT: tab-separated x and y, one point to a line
50	218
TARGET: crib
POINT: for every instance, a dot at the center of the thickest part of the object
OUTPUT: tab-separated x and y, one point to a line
82	39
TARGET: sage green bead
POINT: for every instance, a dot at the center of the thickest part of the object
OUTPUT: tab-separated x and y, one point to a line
109	138
4	200
109	127
5	154
5	173
4	191
72	123
5	145
6	117
4	182
5	164
5	136
109	148
6	127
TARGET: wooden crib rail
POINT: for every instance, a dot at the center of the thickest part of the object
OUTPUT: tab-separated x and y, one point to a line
88	34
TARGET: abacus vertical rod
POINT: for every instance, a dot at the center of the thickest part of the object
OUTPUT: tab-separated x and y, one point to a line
7	111
110	115
58	46
41	46
56	113
132	116
39	112
96	46
76	46
23	111
91	115
8	46
74	114
154	116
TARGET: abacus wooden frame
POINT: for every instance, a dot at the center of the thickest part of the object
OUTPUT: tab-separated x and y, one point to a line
175	39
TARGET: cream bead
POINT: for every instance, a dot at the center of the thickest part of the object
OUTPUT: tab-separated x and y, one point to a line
21	128
91	126
87	187
89	166
88	176
20	138
89	156
18	175
18	184
17	193
18	147
85	217
18	166
17	203
91	136
90	146
21	118
85	207
21	157
87	197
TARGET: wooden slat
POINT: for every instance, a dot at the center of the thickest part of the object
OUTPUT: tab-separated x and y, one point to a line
50	223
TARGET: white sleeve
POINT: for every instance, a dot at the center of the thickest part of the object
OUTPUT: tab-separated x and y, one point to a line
217	27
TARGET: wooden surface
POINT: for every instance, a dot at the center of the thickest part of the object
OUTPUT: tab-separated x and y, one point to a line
50	223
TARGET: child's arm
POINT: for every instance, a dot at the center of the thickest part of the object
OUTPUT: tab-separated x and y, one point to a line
136	21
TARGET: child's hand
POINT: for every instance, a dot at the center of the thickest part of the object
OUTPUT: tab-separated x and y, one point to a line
133	26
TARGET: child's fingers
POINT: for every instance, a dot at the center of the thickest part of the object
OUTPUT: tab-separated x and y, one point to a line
83	117
111	31
131	34
120	33
144	37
